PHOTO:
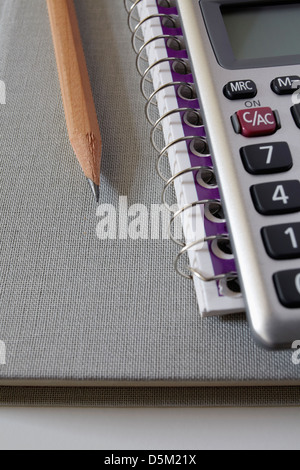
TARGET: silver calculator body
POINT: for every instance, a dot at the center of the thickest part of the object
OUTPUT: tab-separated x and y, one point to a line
245	57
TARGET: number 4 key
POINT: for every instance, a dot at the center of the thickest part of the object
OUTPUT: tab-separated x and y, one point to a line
277	198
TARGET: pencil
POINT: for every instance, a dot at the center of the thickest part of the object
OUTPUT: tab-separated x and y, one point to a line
79	107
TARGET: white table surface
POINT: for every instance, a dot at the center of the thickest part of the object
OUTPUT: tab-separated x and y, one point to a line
154	429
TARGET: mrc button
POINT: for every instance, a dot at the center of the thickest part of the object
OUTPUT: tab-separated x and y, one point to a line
256	122
240	90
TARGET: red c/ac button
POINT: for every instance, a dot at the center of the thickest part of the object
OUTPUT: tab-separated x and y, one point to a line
256	122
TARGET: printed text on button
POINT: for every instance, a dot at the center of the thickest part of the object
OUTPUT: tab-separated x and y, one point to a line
256	122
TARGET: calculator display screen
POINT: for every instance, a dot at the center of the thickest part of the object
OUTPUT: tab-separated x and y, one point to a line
257	32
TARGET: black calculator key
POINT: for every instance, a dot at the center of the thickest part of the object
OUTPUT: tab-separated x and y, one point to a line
240	90
282	241
285	85
287	285
296	114
263	159
282	197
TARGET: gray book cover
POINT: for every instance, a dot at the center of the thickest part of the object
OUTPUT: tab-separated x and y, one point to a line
77	309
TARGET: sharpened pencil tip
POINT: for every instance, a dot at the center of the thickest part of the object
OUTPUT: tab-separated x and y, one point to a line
95	189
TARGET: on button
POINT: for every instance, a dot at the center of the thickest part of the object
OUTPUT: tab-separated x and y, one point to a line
256	122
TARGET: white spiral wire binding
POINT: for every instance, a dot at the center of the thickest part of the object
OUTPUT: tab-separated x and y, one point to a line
131	7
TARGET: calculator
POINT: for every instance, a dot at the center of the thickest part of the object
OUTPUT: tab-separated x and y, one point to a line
245	57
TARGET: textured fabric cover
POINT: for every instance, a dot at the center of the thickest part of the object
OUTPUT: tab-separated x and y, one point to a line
72	307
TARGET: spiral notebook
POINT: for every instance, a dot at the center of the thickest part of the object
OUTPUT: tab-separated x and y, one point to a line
172	108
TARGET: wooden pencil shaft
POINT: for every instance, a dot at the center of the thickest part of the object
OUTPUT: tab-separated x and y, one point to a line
80	112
